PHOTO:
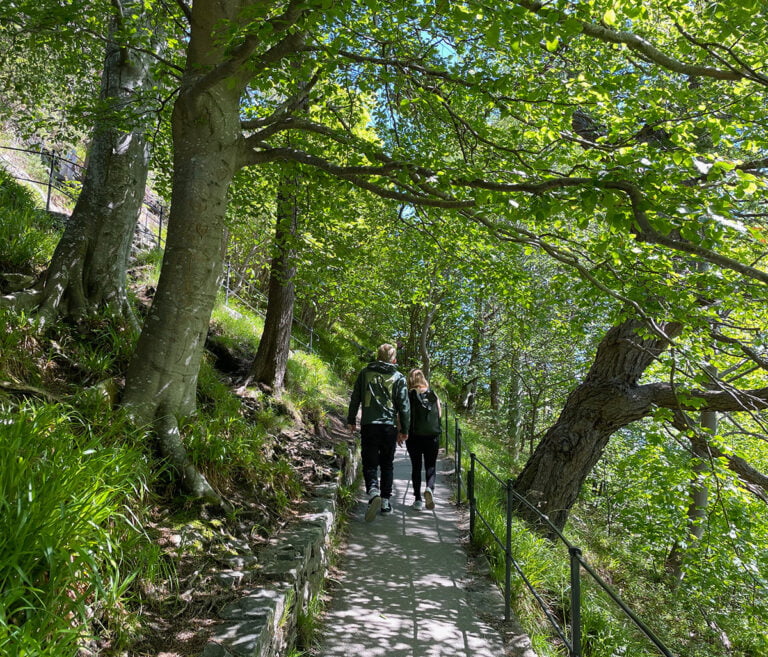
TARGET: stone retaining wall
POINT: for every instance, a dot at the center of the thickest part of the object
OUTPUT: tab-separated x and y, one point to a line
263	623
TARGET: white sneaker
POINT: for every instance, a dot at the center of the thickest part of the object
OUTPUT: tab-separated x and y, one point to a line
429	499
418	505
386	507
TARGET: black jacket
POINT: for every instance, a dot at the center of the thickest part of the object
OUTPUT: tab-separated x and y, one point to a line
382	391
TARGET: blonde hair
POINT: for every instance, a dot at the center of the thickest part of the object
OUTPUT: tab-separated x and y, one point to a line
387	353
416	379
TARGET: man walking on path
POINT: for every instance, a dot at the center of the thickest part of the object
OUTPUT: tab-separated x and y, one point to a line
382	391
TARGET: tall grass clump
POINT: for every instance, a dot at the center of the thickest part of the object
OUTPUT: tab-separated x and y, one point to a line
312	384
18	343
234	444
28	235
239	325
71	541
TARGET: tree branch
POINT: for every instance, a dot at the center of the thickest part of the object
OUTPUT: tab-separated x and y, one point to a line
665	395
641	46
233	66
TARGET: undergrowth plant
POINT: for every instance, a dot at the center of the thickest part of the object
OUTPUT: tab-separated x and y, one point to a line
626	525
71	542
312	385
233	445
545	564
28	235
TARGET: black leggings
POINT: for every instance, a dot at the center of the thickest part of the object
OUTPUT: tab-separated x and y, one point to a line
422	447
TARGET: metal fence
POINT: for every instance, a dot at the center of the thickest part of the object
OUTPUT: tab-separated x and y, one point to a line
572	639
232	294
54	178
62	171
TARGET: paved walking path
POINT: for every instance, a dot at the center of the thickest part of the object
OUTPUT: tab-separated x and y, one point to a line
405	590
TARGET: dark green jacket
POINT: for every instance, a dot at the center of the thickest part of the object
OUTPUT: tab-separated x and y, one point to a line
381	390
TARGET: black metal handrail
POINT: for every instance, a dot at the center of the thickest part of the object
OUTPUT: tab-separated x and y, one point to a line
53	183
577	561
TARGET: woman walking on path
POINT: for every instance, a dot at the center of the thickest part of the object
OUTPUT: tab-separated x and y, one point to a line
423	437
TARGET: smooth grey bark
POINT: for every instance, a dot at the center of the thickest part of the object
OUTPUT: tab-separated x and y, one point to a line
699	492
161	381
514	407
495	386
429	316
469	387
271	358
208	148
88	269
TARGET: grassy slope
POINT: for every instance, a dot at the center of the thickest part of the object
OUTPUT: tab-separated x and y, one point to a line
96	547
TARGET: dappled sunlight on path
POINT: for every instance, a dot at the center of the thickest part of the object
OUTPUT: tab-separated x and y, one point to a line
402	591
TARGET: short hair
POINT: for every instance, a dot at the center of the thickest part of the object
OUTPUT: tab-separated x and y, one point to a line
416	379
387	353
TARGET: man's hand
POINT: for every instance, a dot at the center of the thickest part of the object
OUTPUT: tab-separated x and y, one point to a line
401	438
351	428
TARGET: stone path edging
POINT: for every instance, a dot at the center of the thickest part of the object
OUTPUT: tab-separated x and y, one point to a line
263	623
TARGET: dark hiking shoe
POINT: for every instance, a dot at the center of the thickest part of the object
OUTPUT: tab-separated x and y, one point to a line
374	504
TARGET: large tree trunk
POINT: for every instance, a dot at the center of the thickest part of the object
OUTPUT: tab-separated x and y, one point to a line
271	359
608	399
88	270
162	377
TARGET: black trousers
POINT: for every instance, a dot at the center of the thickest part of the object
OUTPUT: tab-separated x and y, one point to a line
423	448
378	444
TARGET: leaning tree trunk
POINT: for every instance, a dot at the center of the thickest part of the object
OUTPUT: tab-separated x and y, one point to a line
88	269
608	399
271	358
162	376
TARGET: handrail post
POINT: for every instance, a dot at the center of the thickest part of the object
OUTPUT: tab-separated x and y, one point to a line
455	443
458	468
575	601
446	427
471	495
508	555
50	180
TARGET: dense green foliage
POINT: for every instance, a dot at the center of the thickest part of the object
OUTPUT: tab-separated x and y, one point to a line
496	188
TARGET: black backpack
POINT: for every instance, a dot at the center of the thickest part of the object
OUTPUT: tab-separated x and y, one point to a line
425	418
